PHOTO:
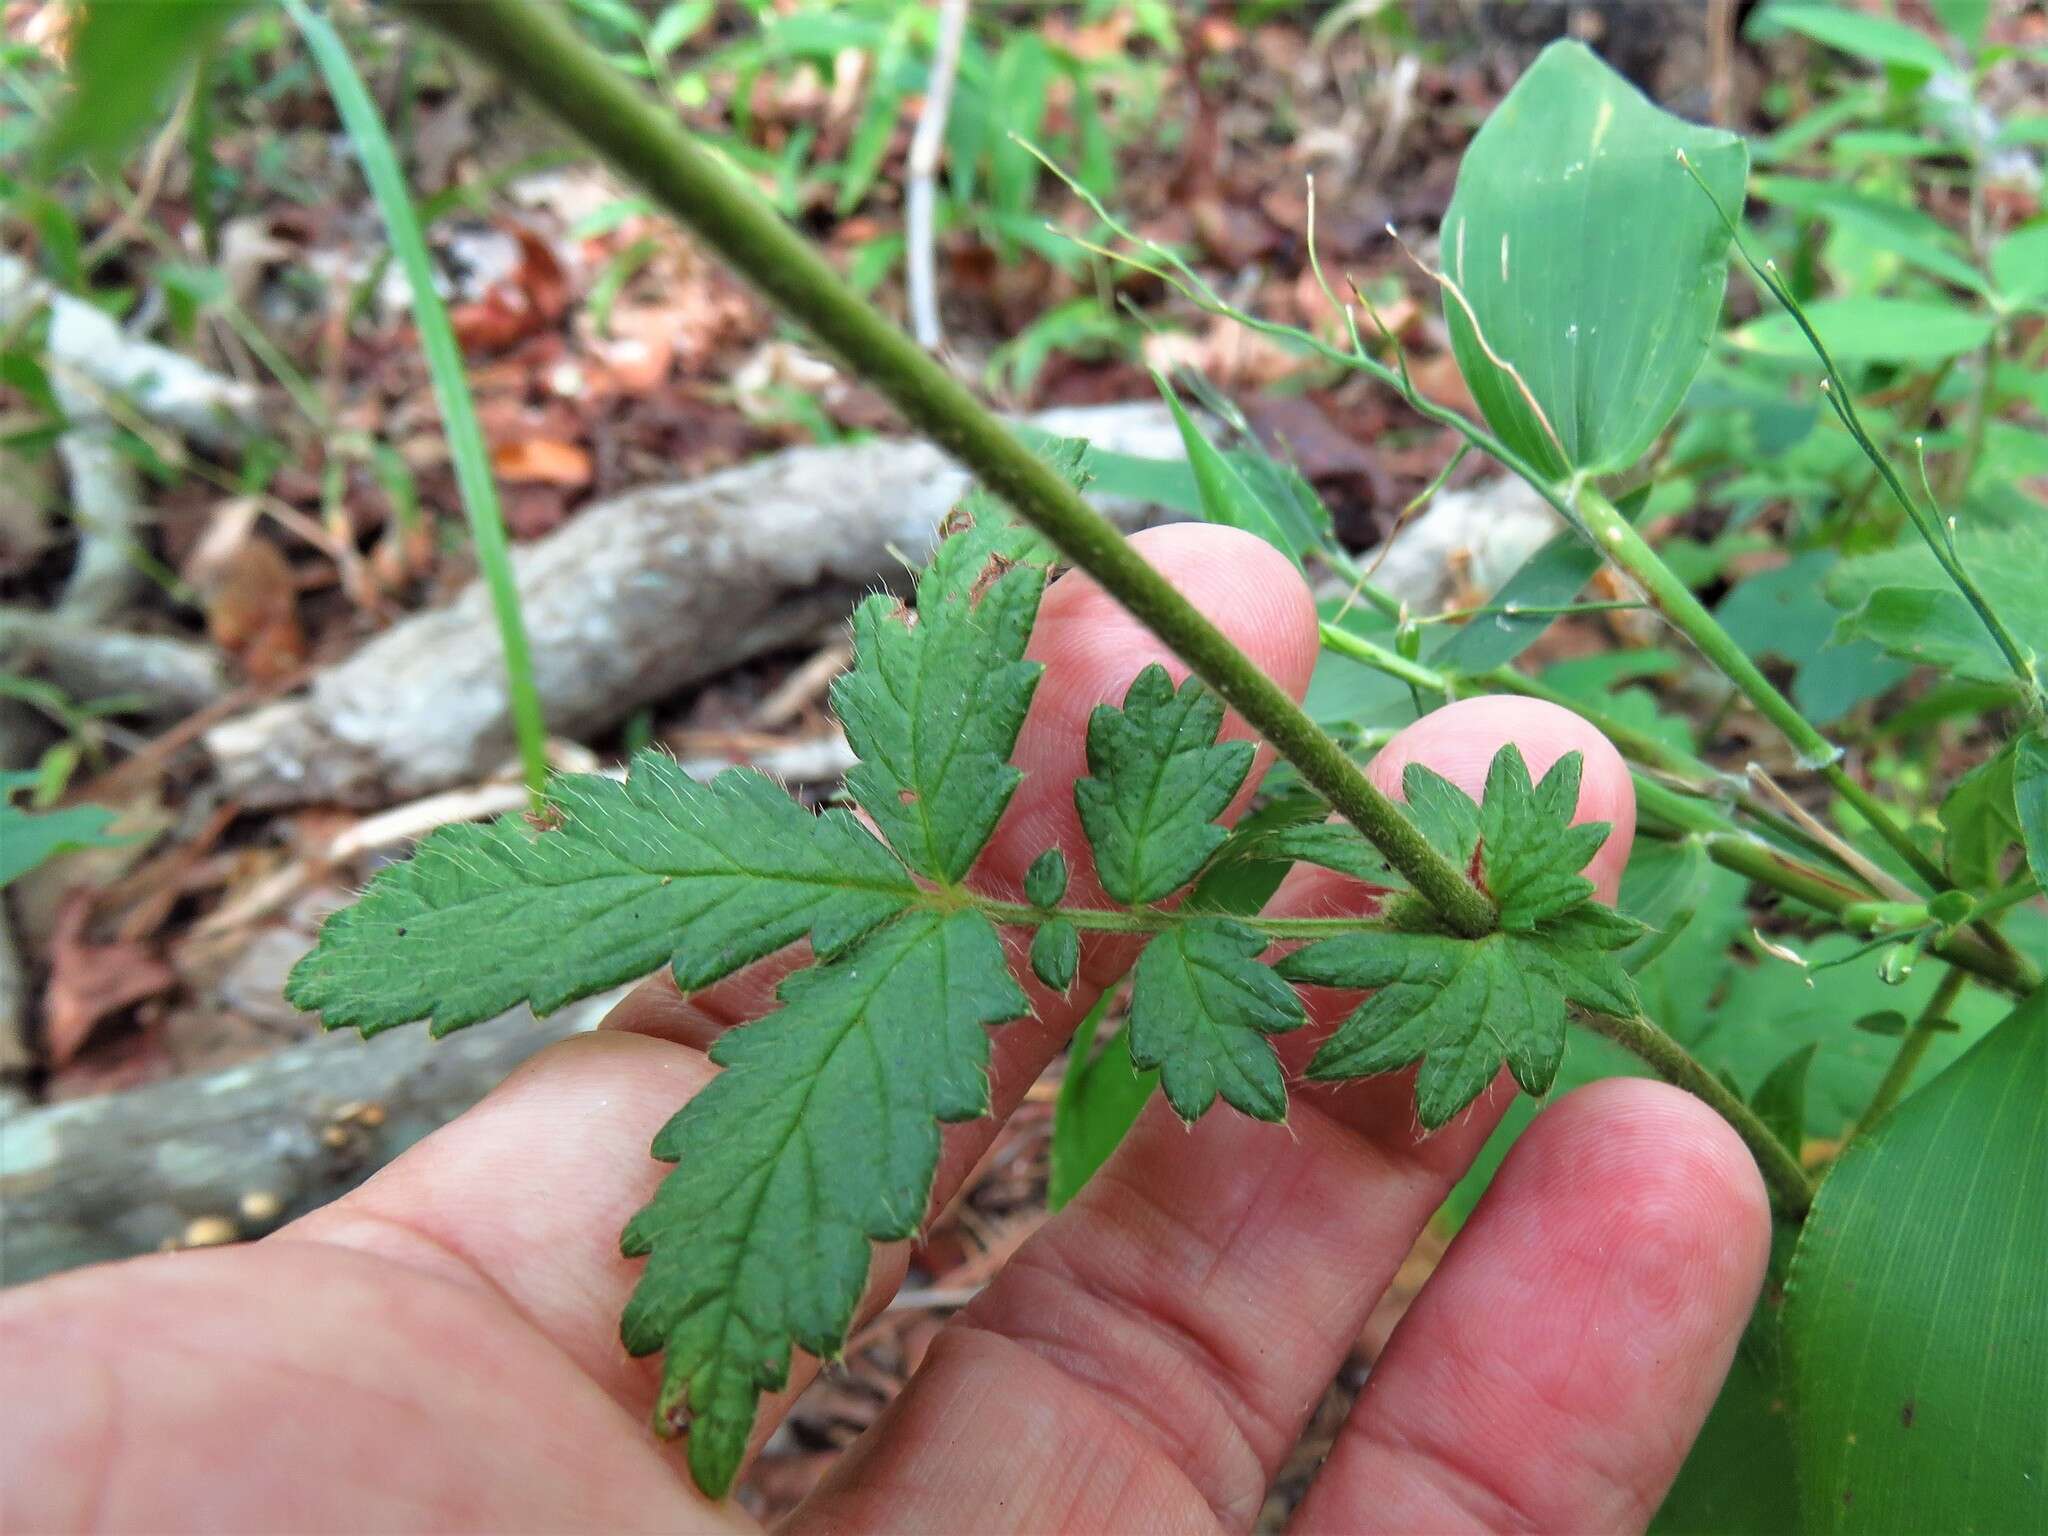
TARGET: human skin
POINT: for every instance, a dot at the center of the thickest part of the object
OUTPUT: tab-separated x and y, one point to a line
437	1351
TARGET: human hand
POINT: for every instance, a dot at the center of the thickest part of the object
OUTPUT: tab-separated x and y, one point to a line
437	1350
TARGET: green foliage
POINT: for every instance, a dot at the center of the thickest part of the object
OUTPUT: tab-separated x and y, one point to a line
1202	1005
1158	782
27	838
1572	222
1100	1096
122	59
1463	1009
1913	1308
818	1138
658	870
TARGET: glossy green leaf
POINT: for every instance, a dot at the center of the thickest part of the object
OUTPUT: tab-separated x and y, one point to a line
1980	822
1593	263
2019	265
1913	1318
1869	330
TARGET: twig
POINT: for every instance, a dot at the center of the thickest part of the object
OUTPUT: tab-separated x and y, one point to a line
921	194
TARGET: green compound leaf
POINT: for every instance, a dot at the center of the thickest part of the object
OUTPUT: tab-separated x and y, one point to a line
1918	1362
932	708
1592	262
1201	1007
1160	780
817	1139
658	870
1463	1009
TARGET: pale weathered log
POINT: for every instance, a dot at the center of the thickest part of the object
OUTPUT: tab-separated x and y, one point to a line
235	1153
627	603
171	677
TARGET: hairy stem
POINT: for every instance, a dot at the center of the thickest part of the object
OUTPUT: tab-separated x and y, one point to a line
1159	919
534	47
1790	1189
1892	1087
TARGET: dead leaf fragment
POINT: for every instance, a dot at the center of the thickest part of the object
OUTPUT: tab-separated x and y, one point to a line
90	982
542	461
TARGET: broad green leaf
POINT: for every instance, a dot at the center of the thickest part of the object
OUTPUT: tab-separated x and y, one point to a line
121	59
2030	798
1159	779
657	870
1913	1315
933	708
1593	263
1878	39
1332	845
1226	496
818	1138
1782	613
1045	882
1100	1098
1980	822
1902	601
1201	1008
1867	330
1443	812
29	837
1780	1099
2019	265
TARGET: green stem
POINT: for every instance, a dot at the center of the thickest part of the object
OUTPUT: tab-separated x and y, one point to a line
1768	866
1617	538
1014	914
533	47
1892	1087
1790	1189
466	447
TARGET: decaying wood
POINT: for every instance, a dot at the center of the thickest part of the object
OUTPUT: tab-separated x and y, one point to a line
88	347
232	1154
170	677
627	603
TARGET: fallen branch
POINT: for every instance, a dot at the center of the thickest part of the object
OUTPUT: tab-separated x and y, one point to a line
164	386
170	677
208	1159
627	603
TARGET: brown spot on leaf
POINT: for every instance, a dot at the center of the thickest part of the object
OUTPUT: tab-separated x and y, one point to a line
997	568
1909	1410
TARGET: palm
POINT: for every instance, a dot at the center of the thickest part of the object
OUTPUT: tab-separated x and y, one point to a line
438	1350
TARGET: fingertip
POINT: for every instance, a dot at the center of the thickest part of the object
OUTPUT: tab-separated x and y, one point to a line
1459	741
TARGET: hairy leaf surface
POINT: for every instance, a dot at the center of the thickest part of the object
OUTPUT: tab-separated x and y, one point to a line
657	870
1201	1008
1160	780
816	1139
